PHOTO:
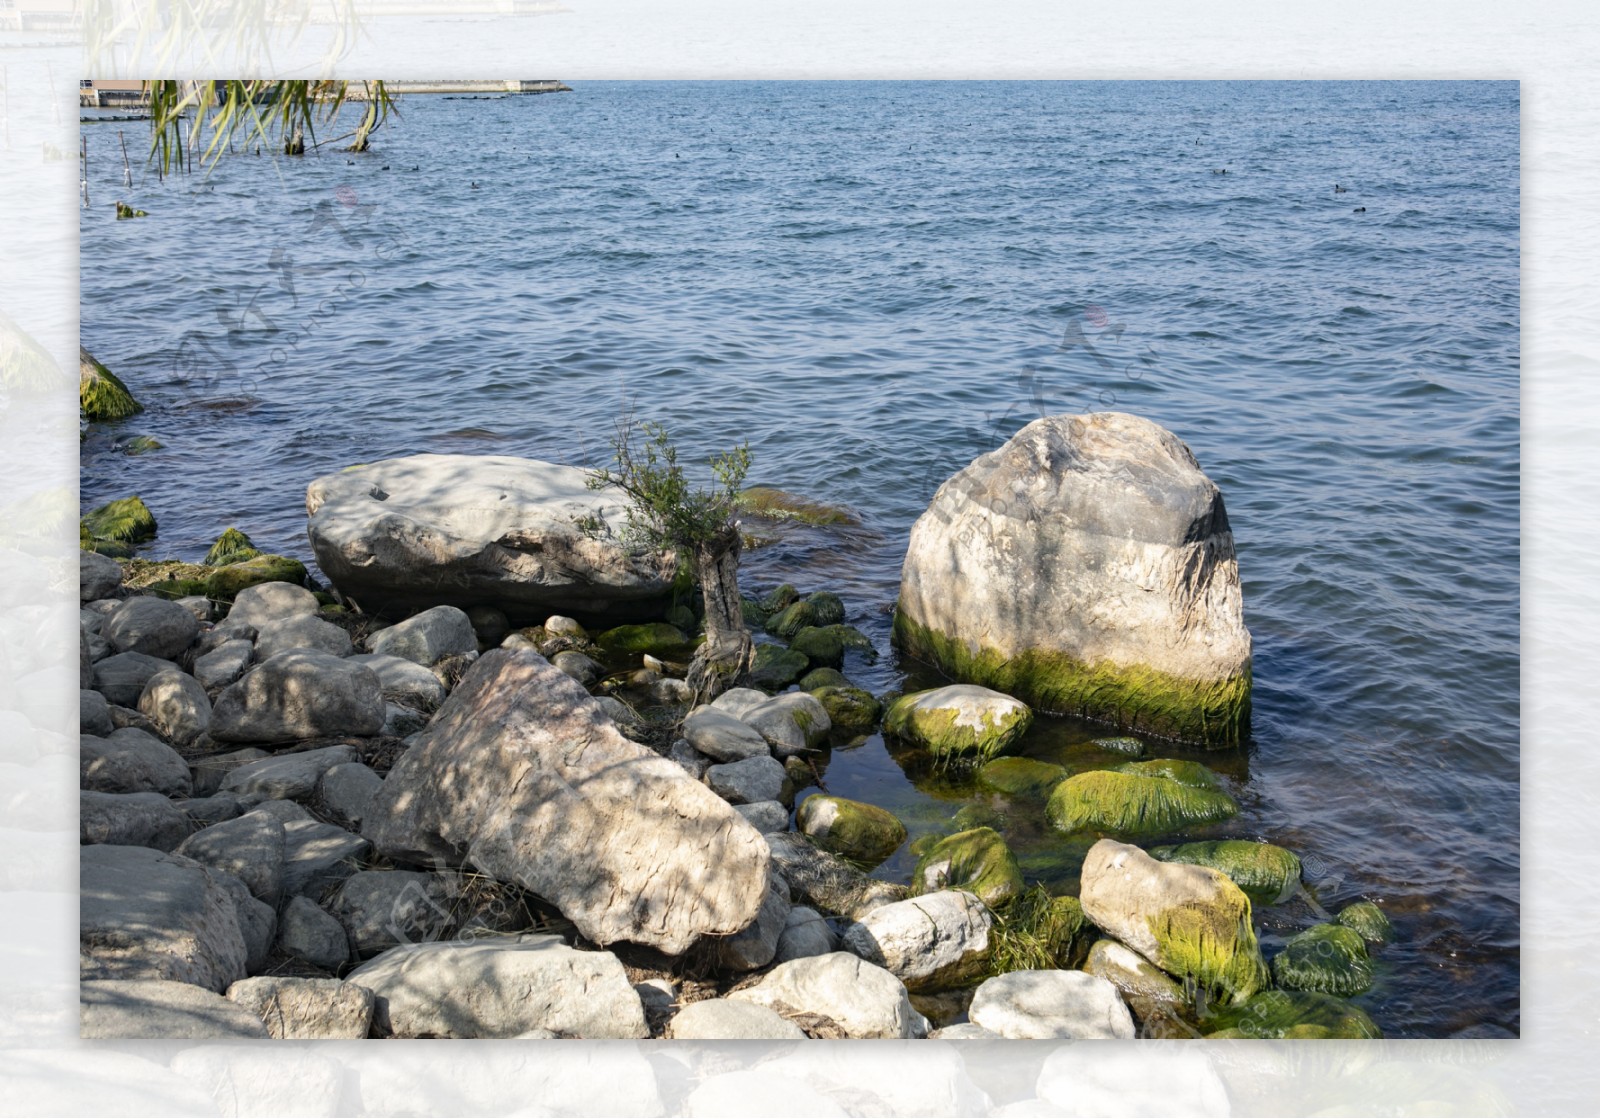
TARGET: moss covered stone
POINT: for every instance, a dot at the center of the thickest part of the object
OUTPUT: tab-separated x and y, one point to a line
1120	744
232	546
862	833
101	394
828	607
1120	802
780	505
125	521
177	588
141	445
658	639
824	646
977	815
1268	873
852	711
791	620
976	860
1136	699
1328	958
1368	920
823	678
1021	777
226	582
683	618
1037	932
779	597
1282	1014
775	668
750	610
959	721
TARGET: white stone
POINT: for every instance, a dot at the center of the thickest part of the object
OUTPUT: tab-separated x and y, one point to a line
176	705
160	1009
295	1009
864	999
931	942
731	1020
301	631
1050	1004
270	602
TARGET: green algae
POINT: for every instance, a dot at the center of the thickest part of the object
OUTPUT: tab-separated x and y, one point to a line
224	583
826	607
658	639
232	546
977	860
1133	804
1328	958
1135	699
1021	777
141	445
977	815
775	668
1213	944
1267	873
852	711
1368	920
863	834
1281	1014
1037	932
1192	774
778	598
824	646
780	505
943	733
823	678
125	521
792	619
101	393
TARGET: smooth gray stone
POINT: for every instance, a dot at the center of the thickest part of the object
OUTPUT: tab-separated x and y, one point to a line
131	820
94	714
159	1009
318	855
747	781
152	626
299	695
250	847
176	705
428	637
287	776
121	678
384	908
271	602
404	682
308	932
131	761
765	815
99	576
224	664
805	933
302	631
208	772
345	793
721	736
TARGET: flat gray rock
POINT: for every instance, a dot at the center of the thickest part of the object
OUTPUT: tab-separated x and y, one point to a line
205	811
302	631
295	1009
271	602
121	678
250	847
94	714
299	695
287	776
131	820
748	781
721	736
864	999
1035	1005
932	942
731	1020
318	855
152	626
132	761
345	792
404	681
224	664
805	933
501	988
791	723
765	815
176	705
160	1009
308	932
740	701
209	771
428	637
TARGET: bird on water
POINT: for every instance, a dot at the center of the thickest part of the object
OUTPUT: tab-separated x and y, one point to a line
1337	189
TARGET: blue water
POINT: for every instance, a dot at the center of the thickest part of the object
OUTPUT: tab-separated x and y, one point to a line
873	283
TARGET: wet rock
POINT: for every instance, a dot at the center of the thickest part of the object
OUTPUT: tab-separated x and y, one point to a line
1140	798
827	881
1328	958
299	695
98	576
405	533
160	1009
176	705
959	720
1050	1004
977	860
264	603
865	1000
224	664
428	637
287	776
227	583
1145	987
824	646
209	771
805	933
1121	744
345	793
747	781
819	678
719	735
501	988
380	909
930	942
1190	921
132	761
1267	874
131	820
94	715
862	833
494	779
657	639
1290	1014
296	1009
791	723
1087	566
152	626
318	855
765	815
775	667
853	712
308	932
121	678
731	1020
1368	920
1021	777
250	847
303	631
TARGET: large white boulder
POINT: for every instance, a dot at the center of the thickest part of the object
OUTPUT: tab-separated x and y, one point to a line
406	534
1035	1005
524	776
1086	567
863	999
929	943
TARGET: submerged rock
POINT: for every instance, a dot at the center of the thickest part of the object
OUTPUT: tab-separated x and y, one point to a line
863	833
621	840
1087	567
853	712
1190	921
657	639
864	1000
1291	1014
775	668
929	943
1328	958
1268	874
1050	1004
101	394
959	720
977	860
1368	920
825	646
1021	777
1133	800
124	521
468	530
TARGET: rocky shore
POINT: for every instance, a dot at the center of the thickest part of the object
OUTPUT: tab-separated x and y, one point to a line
465	793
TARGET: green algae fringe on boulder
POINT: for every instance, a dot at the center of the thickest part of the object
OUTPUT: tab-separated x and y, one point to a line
978	815
1290	1014
656	638
977	861
863	834
1327	958
1215	946
823	678
780	505
101	394
1037	932
1021	777
125	521
226	582
852	711
232	546
824	646
792	619
1133	803
1368	920
779	597
1266	872
775	668
1137	700
958	721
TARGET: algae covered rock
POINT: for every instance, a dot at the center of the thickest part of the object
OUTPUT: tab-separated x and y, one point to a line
1087	567
101	394
1138	799
793	618
1190	921
658	639
226	582
1368	920
825	645
851	711
1282	1014
232	546
823	678
959	721
124	521
1266	872
1021	777
976	860
775	667
863	833
1328	958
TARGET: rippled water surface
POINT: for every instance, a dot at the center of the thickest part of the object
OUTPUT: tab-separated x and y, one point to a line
873	283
